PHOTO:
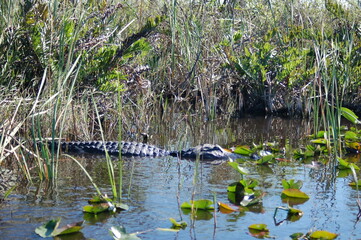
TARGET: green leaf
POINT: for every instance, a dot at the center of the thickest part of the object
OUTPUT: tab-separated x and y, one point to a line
291	184
321	141
343	164
265	159
98	208
177	225
353	184
243	150
119	233
259	227
324	235
294	193
350	115
69	228
47	228
202	204
350	135
240	169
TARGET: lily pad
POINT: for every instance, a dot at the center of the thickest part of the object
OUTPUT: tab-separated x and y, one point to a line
243	150
343	164
240	169
259	227
50	228
292	184
354	184
324	235
225	208
265	159
294	193
259	230
177	225
119	233
98	208
202	204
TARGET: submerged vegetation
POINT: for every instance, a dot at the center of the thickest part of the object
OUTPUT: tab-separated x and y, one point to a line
85	70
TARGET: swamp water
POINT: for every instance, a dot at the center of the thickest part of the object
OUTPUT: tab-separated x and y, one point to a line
154	188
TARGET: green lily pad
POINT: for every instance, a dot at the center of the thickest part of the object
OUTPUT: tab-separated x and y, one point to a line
343	164
119	233
297	236
259	227
294	193
240	169
259	230
324	235
243	150
353	184
177	225
68	229
47	228
98	208
202	204
292	184
50	228
265	159
321	141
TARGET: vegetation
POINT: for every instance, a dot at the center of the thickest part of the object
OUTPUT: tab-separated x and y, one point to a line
77	69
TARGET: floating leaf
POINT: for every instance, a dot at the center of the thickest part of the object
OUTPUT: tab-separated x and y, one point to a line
177	225
240	169
352	136
320	141
297	236
259	227
294	193
98	208
259	230
324	235
168	229
50	228
243	150
291	184
353	184
235	187
225	208
202	204
343	164
47	228
119	233
265	159
121	206
69	228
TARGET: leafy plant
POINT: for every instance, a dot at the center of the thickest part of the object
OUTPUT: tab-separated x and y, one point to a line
51	228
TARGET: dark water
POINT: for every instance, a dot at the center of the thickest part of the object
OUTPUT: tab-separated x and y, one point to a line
154	188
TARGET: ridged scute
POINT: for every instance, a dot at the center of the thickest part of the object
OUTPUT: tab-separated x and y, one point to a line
128	149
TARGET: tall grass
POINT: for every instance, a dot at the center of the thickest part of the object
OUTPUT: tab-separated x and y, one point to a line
282	57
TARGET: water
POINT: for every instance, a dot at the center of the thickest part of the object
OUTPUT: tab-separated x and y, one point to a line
154	188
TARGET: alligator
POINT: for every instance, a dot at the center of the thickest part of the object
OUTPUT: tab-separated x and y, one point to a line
134	149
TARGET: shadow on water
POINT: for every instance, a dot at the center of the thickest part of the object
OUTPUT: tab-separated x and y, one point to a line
154	188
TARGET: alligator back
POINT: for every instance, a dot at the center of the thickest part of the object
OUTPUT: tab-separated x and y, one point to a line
128	149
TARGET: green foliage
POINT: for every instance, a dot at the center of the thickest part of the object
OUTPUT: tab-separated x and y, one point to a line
202	204
51	228
291	184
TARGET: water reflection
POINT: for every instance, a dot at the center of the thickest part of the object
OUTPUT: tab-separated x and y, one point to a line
154	188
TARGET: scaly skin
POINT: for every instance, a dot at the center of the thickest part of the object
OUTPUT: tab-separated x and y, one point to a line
134	149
